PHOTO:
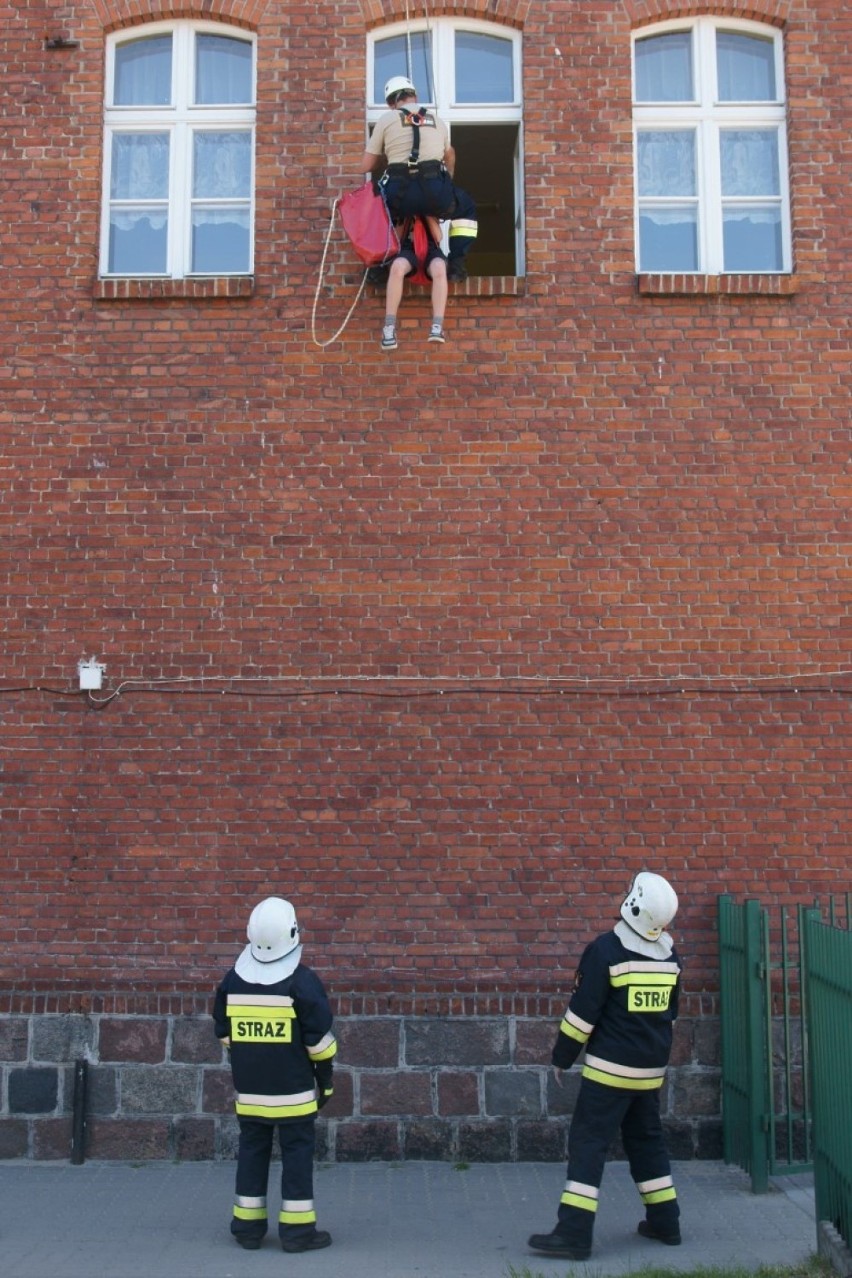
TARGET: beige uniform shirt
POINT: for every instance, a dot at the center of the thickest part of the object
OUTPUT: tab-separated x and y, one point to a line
395	139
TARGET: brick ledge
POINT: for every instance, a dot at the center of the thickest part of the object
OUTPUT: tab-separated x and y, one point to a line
121	290
658	285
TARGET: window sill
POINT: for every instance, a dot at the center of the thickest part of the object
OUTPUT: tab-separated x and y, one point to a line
119	290
482	286
709	285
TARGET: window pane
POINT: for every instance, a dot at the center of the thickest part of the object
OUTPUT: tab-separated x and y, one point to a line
750	162
746	68
138	241
668	239
140	166
221	165
483	68
143	72
666	162
752	239
391	57
664	68
222	70
220	241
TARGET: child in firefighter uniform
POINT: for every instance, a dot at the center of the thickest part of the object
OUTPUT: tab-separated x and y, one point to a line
621	1011
273	1014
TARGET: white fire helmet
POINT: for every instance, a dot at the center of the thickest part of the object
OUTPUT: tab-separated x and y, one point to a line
649	906
398	84
272	930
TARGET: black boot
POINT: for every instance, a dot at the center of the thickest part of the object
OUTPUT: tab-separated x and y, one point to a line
671	1238
308	1242
555	1244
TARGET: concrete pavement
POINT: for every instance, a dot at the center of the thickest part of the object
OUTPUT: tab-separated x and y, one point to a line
408	1220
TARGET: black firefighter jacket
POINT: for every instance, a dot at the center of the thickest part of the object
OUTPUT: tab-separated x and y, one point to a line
281	1044
621	1010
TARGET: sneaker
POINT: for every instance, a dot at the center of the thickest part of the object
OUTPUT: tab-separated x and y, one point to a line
436	333
456	271
308	1242
389	337
648	1231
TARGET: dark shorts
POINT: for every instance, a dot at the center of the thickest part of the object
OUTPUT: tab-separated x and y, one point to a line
434	250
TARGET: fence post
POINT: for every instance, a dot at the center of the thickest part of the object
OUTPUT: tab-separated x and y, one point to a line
743	1017
756	1013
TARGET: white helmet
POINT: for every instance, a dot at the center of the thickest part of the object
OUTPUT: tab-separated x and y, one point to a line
272	930
398	84
649	906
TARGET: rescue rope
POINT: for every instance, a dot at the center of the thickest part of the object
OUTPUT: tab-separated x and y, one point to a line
351	310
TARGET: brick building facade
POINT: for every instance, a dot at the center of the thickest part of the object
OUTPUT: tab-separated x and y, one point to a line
444	645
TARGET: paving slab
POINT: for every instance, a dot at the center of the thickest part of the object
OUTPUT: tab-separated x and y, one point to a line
388	1220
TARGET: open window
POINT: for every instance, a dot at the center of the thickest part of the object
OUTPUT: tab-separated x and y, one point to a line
470	72
178	186
710	141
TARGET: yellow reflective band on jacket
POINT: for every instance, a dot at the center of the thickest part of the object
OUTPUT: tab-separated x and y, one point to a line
296	1105
613	1075
639	973
324	1049
573	1026
464	226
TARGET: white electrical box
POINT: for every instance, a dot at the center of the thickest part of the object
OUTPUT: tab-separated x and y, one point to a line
91	675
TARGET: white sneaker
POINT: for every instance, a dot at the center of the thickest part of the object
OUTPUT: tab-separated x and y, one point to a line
436	333
389	337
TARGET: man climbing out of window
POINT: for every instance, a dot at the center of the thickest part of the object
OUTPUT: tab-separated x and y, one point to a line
413	147
420	256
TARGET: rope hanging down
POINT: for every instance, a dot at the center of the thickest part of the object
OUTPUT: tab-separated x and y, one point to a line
367	221
351	310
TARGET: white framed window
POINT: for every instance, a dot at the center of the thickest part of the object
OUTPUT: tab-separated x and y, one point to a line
470	72
179	133
710	148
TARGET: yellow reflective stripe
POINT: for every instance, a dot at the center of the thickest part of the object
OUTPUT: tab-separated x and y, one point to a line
248	1011
650	1186
571	1032
469	231
259	1000
250	1213
618	969
296	1217
643	978
324	1049
577	1200
623	1071
276	1111
622	1080
660	1196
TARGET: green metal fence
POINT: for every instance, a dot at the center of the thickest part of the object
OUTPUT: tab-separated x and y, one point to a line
827	965
767	1068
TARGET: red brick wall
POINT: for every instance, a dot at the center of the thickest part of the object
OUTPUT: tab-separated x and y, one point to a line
483	629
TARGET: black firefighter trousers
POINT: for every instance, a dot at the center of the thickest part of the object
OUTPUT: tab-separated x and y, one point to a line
598	1115
297	1216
